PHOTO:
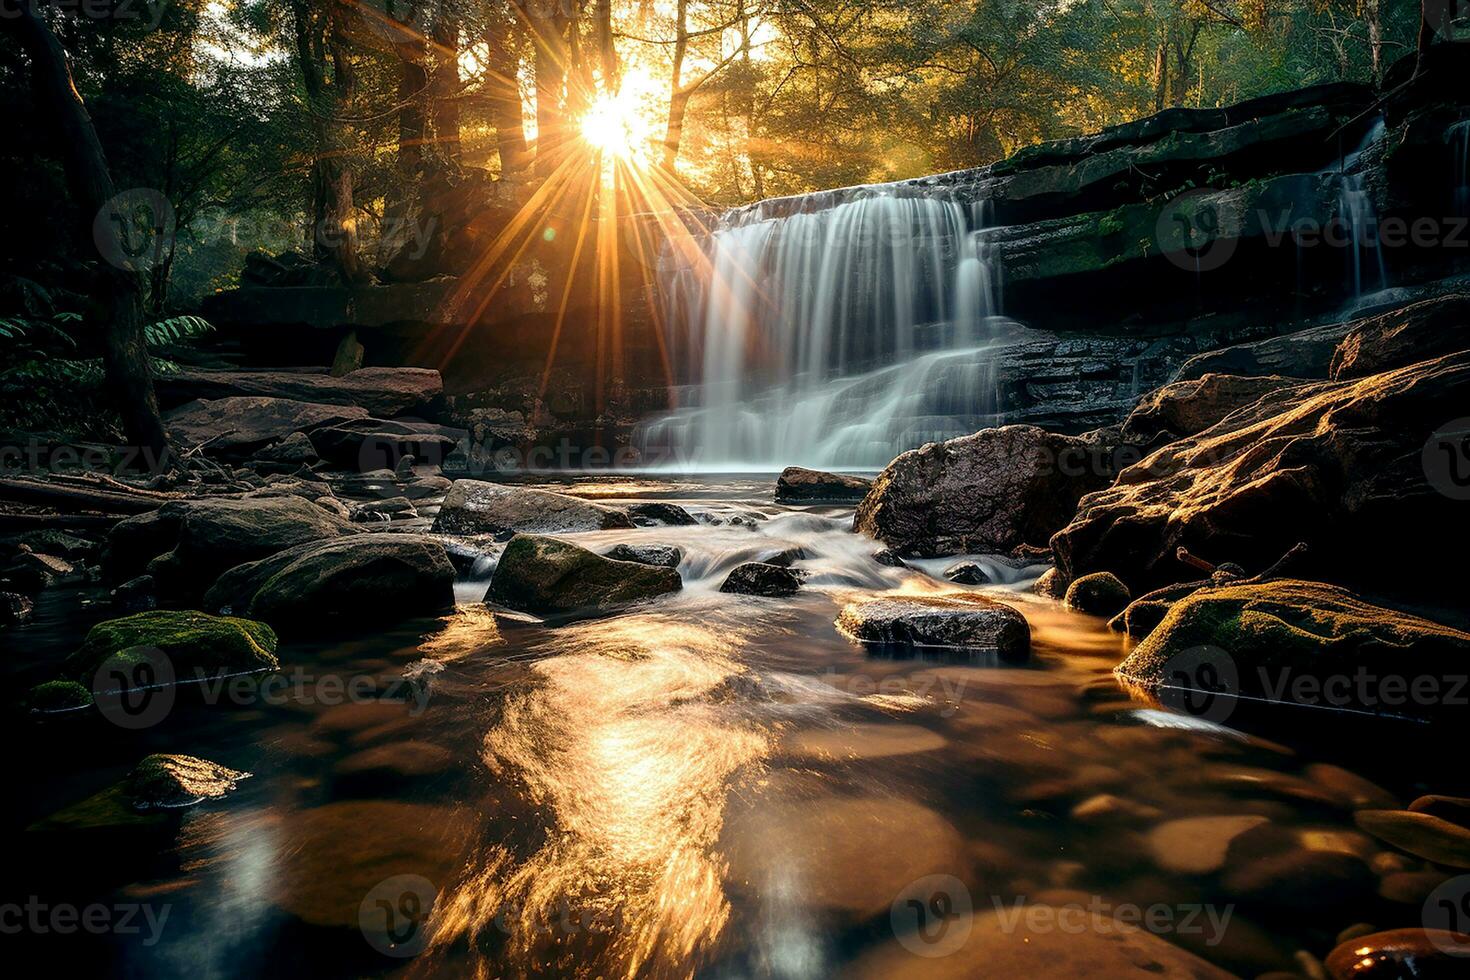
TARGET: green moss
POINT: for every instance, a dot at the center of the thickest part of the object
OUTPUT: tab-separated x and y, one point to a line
195	643
58	696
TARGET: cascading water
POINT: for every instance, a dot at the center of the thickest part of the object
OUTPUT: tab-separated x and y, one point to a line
1360	216
834	330
1459	139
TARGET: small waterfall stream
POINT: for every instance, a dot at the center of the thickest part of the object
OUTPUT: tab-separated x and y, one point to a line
837	329
1459	140
1360	217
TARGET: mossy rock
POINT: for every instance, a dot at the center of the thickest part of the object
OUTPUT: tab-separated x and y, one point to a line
169	782
194	642
547	576
1098	594
1288	629
57	696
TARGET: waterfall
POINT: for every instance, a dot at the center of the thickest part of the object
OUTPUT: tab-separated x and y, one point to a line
1459	139
1361	218
835	330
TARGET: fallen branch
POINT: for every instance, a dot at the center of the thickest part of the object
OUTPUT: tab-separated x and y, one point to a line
51	494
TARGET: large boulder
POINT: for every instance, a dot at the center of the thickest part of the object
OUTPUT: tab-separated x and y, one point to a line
985	493
763	578
1340	466
477	507
240	426
367	579
962	621
796	485
548	577
194	643
1186	408
1305	353
385	391
196	541
1426	329
1265	640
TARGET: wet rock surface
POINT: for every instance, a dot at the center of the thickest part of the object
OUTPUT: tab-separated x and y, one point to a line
771	579
969	622
546	576
798	485
476	507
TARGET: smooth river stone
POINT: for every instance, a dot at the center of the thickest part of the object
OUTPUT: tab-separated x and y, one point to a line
1420	834
329	858
1400	954
1455	809
960	621
1359	792
1197	845
864	742
846	855
1004	944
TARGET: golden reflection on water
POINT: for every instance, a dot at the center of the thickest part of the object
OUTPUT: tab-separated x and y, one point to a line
625	741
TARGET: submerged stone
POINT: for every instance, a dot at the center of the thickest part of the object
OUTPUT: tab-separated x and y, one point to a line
766	579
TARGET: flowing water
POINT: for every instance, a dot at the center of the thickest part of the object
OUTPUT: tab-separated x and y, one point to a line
1459	140
1367	266
707	785
838	333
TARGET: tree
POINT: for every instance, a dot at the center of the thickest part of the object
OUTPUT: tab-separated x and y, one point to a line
119	291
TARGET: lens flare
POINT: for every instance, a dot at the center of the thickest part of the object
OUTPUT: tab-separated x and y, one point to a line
617	124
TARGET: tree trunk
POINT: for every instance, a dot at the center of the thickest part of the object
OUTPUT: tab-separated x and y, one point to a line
445	83
551	77
119	292
1427	12
678	94
504	89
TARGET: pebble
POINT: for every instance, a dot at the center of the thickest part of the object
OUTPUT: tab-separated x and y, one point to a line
1197	845
1420	834
1399	954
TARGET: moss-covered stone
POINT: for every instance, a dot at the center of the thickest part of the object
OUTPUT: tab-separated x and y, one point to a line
196	644
54	696
1098	594
173	781
1280	631
547	576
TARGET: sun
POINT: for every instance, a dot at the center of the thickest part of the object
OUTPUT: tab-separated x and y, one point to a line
617	124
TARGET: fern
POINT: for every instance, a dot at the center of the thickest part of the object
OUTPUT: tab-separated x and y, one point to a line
161	333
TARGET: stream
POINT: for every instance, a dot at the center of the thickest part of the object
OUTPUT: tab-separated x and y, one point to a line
708	785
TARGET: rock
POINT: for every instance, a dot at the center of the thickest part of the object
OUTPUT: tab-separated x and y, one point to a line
796	485
763	579
546	576
240	427
967	573
658	513
1197	845
1144	614
1398	954
890	558
371	443
294	450
970	622
1302	881
1038	941
1339	466
1098	594
334	507
1304	353
30	572
986	493
136	594
476	507
48	541
196	645
1410	887
1358	792
1107	809
1052	584
56	696
366	579
785	557
1277	633
1186	408
378	511
1455	809
211	536
15	609
662	555
384	391
1427	329
168	782
1420	834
